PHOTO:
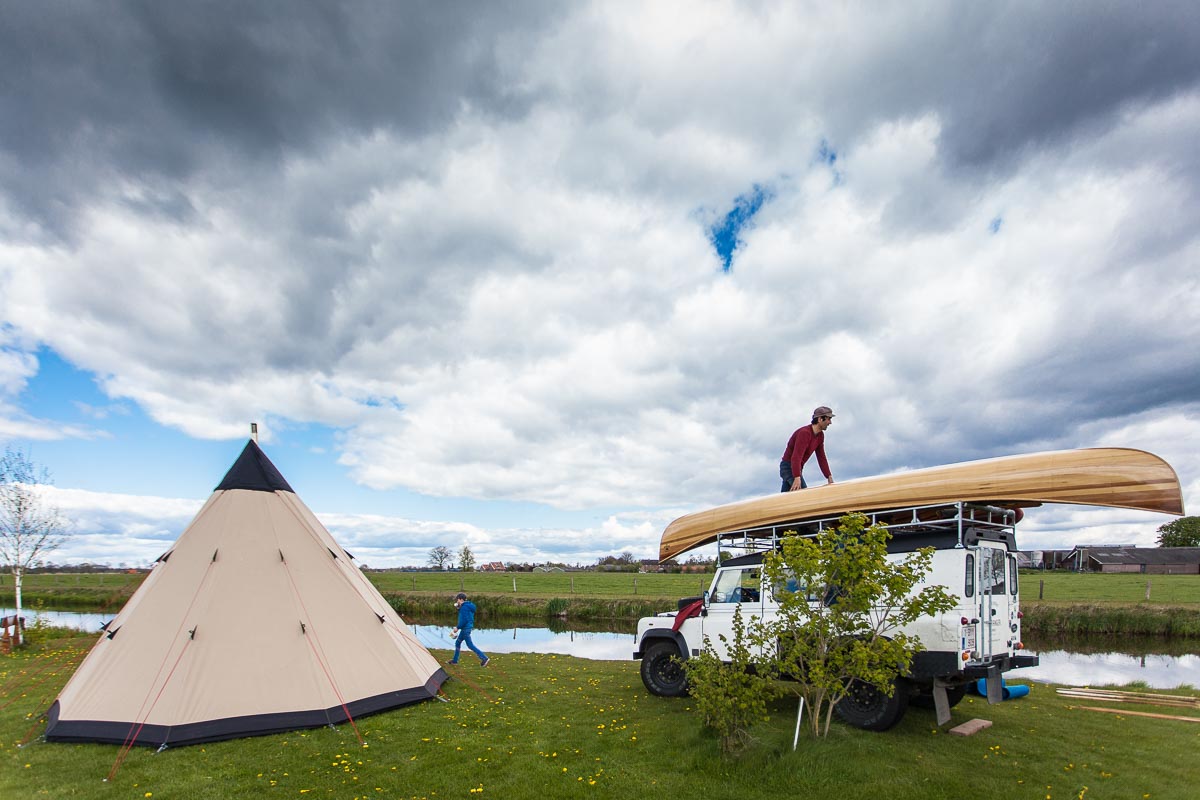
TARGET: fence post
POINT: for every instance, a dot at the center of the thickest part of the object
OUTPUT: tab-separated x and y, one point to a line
1041	588
414	577
572	584
1147	590
514	584
460	583
635	585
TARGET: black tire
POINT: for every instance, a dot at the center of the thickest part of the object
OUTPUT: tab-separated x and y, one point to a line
924	698
866	707
662	670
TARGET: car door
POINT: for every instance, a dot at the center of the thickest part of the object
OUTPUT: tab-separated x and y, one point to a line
733	589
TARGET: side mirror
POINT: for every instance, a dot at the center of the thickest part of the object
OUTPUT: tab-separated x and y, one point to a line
706	598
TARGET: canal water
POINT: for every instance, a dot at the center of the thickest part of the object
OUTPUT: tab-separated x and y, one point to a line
1078	663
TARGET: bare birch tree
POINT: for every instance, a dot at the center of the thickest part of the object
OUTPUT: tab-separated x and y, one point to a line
29	529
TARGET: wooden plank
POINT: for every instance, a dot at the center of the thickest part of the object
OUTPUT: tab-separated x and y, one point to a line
1129	713
1119	695
1128	692
1107	476
1149	701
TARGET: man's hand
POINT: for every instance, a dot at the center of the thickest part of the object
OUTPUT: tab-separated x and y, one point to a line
797	484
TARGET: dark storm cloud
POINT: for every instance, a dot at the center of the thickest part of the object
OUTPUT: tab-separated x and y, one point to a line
1019	75
153	90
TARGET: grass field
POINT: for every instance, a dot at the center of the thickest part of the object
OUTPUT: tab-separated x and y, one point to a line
544	726
1058	585
76	590
1094	587
547	584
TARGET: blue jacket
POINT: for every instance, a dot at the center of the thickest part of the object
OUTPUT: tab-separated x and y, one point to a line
466	616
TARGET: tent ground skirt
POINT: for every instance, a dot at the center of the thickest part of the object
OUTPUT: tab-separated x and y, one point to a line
119	731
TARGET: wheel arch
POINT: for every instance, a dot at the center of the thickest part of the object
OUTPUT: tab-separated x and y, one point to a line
653	637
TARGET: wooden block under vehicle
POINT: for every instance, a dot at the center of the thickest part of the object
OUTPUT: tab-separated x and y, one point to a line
971	727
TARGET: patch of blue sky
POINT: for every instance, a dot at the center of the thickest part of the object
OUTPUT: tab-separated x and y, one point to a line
130	453
374	401
725	234
124	450
994	225
828	156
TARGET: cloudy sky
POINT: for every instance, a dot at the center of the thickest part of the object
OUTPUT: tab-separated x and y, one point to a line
537	277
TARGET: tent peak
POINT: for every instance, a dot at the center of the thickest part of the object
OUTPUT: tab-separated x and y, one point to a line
255	472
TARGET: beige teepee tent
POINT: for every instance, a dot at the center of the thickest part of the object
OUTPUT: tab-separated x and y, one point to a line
254	622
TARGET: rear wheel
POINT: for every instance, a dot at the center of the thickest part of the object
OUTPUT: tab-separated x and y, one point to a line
864	706
662	670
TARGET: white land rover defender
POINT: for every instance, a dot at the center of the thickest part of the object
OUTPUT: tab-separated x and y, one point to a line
974	560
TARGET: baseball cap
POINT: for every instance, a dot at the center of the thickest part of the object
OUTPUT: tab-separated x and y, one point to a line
460	596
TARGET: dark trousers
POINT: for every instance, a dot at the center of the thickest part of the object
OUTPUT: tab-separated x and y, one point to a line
785	472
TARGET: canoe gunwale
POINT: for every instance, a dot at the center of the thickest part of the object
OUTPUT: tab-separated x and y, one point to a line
1098	477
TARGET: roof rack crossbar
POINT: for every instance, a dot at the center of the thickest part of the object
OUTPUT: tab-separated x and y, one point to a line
956	517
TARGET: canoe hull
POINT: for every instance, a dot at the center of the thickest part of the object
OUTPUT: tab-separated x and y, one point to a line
1103	476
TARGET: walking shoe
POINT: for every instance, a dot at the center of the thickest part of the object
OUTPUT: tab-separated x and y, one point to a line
452	662
485	662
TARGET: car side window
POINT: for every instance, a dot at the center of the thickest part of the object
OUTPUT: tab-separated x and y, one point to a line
736	586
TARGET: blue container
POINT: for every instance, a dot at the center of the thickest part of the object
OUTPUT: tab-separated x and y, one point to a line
1008	692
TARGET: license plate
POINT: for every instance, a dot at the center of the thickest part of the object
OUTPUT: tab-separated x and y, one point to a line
969	638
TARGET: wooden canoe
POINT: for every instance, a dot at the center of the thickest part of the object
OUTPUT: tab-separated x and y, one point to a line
1103	476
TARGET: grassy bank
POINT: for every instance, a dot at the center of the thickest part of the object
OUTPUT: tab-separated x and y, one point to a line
553	726
83	591
510	607
1111	619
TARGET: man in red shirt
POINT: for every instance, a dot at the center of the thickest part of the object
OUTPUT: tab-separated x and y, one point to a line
804	442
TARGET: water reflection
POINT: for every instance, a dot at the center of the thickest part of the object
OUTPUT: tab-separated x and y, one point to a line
598	645
1157	670
1100	669
1159	663
76	620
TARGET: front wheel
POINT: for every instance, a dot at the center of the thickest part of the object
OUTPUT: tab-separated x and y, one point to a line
864	706
662	670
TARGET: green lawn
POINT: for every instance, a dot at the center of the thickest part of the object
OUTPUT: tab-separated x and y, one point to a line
545	726
1095	587
547	584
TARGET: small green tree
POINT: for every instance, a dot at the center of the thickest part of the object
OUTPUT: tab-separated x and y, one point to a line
466	559
1182	532
730	697
842	622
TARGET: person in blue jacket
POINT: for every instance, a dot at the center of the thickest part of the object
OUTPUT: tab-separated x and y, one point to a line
462	631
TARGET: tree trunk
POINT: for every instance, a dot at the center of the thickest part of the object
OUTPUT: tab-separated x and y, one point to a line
17	636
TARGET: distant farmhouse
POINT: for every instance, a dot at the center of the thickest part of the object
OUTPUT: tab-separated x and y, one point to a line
1125	558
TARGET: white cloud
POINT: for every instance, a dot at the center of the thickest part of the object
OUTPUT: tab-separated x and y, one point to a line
137	529
504	288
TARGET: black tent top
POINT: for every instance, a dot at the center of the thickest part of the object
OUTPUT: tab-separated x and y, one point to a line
254	471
